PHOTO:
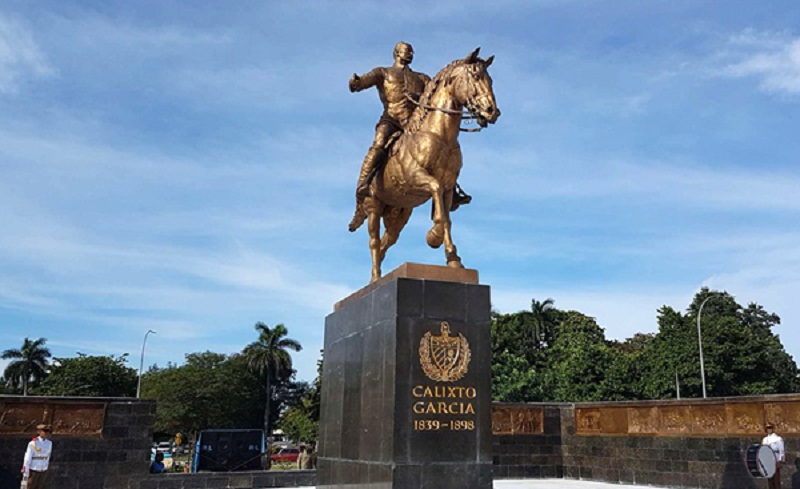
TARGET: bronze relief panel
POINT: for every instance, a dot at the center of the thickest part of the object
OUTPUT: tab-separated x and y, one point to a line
676	420
745	419
709	419
587	420
517	420
501	420
614	421
785	416
18	418
66	419
83	419
527	421
643	420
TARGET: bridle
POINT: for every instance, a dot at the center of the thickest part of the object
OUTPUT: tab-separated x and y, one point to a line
466	115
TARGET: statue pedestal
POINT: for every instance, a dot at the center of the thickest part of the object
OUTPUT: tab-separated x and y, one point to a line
406	394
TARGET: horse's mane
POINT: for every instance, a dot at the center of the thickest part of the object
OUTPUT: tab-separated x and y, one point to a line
420	112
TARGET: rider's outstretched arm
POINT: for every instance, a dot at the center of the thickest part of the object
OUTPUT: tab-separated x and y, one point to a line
367	80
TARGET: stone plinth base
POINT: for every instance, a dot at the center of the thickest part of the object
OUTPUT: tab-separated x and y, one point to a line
406	395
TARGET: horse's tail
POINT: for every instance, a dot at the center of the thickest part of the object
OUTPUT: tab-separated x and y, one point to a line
359	216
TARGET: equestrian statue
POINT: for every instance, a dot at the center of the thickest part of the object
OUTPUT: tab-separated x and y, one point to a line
415	155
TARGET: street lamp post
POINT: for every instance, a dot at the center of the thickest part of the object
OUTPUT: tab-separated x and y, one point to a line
141	363
700	343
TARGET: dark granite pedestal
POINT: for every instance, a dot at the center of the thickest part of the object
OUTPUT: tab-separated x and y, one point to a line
406	395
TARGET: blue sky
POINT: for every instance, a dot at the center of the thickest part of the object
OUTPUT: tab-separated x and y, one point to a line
188	167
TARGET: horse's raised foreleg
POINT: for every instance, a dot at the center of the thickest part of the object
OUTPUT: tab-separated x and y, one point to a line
423	182
394	220
374	210
440	231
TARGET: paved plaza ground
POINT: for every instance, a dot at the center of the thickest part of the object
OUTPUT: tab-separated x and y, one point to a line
559	484
553	483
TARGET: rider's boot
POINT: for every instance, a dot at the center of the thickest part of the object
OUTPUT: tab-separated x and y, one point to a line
368	169
460	198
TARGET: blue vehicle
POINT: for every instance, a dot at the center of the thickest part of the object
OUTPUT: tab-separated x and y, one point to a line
229	450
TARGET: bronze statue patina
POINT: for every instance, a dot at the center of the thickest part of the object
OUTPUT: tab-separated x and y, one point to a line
399	89
425	160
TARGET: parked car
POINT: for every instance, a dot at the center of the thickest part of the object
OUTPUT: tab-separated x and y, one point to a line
286	455
164	447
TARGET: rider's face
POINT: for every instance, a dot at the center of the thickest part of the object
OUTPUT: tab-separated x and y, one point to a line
405	54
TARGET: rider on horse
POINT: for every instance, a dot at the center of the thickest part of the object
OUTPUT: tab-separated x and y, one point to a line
399	89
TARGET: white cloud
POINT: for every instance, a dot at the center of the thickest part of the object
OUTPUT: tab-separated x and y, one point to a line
150	40
621	311
20	56
528	176
773	59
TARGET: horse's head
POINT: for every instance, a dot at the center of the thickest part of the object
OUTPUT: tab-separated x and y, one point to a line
473	88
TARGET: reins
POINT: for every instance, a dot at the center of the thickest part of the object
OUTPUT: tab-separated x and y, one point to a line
465	114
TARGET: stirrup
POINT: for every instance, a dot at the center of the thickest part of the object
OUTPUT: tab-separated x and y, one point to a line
460	198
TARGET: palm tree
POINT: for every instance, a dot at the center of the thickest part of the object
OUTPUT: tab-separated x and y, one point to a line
268	357
540	311
30	363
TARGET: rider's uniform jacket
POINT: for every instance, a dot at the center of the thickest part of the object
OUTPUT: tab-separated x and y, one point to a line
393	85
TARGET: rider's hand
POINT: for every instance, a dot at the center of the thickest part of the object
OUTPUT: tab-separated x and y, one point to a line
355	82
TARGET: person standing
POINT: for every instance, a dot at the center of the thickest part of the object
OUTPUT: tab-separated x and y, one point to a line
37	458
312	457
775	442
157	466
302	459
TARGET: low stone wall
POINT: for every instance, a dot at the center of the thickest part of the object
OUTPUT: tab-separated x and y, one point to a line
673	462
104	443
696	443
526	441
680	443
97	442
238	480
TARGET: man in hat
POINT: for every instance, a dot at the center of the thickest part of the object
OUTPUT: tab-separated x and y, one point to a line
37	458
775	442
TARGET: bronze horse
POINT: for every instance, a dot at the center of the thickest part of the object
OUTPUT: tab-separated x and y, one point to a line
425	160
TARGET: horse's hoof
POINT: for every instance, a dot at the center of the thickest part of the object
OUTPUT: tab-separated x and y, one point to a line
455	264
375	278
434	239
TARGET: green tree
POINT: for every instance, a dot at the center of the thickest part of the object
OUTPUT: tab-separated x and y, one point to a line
742	355
298	425
541	311
269	358
95	376
580	360
521	352
210	390
315	394
511	333
623	378
29	364
514	380
300	420
551	355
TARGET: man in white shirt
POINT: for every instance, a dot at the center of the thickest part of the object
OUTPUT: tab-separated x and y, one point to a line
775	442
37	458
